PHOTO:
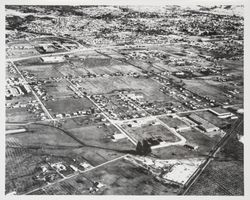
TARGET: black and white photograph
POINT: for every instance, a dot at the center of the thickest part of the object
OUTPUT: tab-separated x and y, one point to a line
124	99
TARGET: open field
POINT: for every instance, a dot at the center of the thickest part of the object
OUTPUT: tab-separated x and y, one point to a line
99	135
220	178
119	177
19	115
103	85
203	89
42	144
42	71
68	105
173	122
58	90
91	142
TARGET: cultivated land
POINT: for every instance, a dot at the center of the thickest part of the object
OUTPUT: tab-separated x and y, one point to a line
124	100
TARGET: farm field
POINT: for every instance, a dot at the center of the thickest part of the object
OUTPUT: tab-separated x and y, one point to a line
220	178
124	100
119	177
224	175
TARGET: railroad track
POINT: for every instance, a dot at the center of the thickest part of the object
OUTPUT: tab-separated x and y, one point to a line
211	156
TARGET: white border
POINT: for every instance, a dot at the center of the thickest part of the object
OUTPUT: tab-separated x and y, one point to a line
126	2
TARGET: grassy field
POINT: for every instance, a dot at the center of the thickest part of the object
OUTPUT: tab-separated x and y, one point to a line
99	136
19	115
42	71
68	105
201	88
120	178
105	85
172	122
175	152
220	178
58	90
28	150
81	121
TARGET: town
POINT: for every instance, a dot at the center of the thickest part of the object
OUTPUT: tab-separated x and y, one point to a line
124	100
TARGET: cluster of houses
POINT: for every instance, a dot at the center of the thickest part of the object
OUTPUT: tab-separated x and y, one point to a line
16	87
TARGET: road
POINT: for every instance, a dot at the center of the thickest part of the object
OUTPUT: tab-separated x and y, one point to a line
74	175
110	120
82	49
211	156
182	140
37	98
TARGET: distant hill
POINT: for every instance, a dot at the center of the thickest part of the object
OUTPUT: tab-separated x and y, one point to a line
220	9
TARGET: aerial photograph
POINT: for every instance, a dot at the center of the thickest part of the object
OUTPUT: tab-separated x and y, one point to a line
124	100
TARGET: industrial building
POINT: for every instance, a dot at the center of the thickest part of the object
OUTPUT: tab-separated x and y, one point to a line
202	123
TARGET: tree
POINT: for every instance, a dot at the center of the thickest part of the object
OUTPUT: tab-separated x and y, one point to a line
146	147
143	148
139	148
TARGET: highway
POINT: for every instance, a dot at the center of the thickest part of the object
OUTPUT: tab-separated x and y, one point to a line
82	49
